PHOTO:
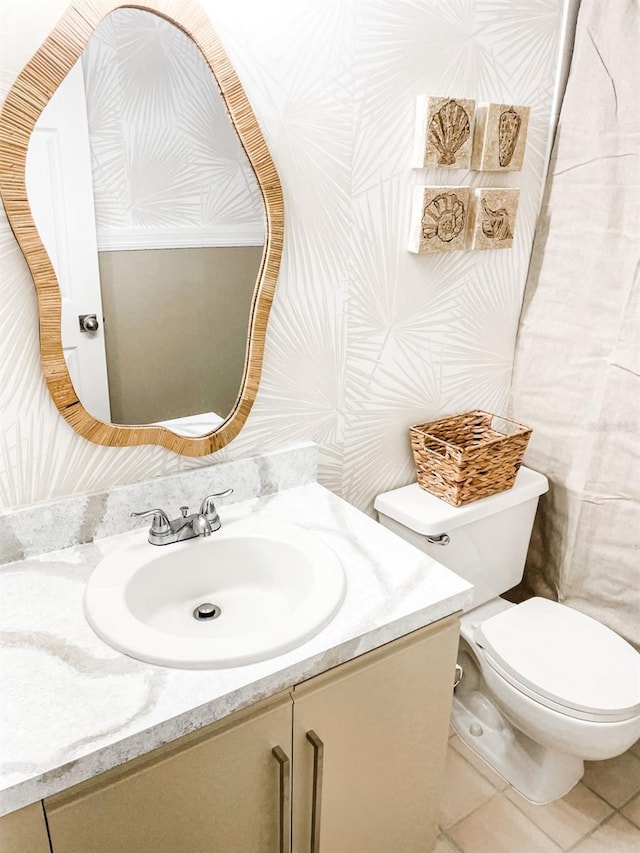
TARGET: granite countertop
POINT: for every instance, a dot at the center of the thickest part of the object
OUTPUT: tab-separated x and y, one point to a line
72	707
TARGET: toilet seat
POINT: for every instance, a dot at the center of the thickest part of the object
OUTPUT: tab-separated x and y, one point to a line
563	659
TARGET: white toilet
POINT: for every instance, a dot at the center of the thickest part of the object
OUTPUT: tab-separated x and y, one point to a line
544	687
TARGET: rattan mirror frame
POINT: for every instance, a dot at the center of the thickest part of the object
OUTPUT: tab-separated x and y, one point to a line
25	101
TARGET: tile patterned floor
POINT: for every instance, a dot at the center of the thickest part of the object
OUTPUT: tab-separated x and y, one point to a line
481	813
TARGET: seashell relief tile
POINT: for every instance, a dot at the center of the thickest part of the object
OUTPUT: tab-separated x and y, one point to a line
500	138
439	219
444	132
492	217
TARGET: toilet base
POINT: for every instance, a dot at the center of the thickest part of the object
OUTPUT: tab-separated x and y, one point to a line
541	775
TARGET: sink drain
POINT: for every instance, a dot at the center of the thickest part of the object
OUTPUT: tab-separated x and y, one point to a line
205	612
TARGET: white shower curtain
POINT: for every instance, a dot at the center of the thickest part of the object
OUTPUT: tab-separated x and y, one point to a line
576	374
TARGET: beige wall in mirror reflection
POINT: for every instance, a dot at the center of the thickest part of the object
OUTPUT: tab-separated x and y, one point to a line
176	339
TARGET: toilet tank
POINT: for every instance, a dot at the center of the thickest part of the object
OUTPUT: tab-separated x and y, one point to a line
487	539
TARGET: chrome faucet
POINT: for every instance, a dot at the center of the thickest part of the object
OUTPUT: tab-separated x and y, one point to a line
164	530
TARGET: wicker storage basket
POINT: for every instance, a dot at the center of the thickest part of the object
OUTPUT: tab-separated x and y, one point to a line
466	457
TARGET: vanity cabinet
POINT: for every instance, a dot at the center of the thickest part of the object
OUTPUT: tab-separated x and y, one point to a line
24	831
215	791
349	761
368	778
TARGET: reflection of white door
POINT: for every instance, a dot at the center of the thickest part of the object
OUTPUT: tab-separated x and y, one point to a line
60	191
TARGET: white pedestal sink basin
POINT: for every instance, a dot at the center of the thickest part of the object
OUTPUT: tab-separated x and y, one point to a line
272	588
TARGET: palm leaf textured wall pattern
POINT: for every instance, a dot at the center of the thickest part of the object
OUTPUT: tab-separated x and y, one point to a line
364	338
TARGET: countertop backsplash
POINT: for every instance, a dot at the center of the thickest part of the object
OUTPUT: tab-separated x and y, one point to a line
77	519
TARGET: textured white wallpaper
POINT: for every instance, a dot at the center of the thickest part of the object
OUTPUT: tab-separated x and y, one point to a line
365	338
164	153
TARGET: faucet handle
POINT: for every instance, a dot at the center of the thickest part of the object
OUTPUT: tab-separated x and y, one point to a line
160	525
208	508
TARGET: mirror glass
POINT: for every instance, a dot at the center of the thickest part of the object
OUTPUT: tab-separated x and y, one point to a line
154	223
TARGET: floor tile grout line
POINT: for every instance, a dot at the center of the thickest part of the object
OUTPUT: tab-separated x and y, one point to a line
445	831
496	792
492	797
626	802
451	842
573	846
488	781
626	817
602	796
473	811
555	840
592	831
615	809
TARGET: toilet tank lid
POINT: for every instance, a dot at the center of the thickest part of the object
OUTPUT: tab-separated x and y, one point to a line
430	516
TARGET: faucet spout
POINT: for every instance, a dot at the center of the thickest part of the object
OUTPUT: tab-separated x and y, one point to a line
201	526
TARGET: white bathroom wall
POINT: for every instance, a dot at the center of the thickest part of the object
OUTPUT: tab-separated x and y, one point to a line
365	338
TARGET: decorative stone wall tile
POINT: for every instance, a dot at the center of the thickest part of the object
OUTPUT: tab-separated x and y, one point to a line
444	132
439	219
492	218
500	138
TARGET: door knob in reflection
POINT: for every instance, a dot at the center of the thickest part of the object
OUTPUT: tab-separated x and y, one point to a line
88	323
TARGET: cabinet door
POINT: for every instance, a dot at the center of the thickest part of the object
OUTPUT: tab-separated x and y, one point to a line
382	724
217	792
24	831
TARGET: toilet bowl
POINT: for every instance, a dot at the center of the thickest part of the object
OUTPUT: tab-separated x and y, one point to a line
544	687
563	689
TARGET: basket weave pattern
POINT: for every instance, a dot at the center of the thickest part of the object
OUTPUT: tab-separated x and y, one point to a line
463	458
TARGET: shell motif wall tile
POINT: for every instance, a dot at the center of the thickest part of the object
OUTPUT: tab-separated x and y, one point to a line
444	133
500	137
492	217
439	219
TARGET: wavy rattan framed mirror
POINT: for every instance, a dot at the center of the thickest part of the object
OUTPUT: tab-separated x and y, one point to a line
25	102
